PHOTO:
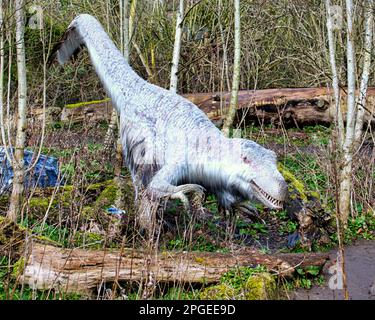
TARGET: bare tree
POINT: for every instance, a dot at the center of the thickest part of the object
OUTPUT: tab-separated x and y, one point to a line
177	48
347	145
353	113
228	122
335	79
5	134
18	161
369	23
337	143
350	135
2	71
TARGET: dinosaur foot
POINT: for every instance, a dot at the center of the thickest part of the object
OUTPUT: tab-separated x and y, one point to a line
146	215
249	211
150	202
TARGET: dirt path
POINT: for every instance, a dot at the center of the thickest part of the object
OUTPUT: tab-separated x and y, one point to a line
360	270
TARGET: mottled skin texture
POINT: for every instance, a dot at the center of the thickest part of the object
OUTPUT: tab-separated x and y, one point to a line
170	146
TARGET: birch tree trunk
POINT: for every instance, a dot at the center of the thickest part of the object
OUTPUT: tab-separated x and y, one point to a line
18	161
228	122
349	137
335	79
2	73
365	72
5	134
177	48
342	187
224	70
347	148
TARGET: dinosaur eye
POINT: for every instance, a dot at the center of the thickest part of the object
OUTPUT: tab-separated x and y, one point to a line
246	160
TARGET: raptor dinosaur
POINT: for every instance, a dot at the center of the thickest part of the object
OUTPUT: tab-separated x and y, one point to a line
170	146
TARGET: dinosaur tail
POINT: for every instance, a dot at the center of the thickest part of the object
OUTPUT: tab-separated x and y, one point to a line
114	72
84	30
69	45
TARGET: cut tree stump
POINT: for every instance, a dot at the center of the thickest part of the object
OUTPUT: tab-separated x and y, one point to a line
47	266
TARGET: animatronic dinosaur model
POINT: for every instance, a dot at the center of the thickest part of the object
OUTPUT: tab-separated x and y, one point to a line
170	146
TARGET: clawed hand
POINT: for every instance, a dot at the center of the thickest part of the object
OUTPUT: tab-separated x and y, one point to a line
184	189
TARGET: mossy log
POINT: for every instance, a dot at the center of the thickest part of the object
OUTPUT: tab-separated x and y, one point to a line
89	111
303	206
291	105
47	266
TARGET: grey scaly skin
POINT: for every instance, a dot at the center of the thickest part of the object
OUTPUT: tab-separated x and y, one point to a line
170	146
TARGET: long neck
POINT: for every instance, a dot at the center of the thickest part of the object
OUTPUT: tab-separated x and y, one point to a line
117	77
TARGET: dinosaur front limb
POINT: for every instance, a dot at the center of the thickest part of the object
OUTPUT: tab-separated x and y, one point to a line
177	192
162	186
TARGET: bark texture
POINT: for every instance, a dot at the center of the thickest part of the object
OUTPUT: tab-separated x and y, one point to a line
18	160
47	266
228	122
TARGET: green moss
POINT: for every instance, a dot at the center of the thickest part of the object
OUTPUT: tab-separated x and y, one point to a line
108	195
48	240
18	267
105	198
88	212
294	183
314	194
199	260
243	283
86	103
218	292
4	199
39	203
3	237
260	286
88	239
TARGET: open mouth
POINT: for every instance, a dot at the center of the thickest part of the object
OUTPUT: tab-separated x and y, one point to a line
267	199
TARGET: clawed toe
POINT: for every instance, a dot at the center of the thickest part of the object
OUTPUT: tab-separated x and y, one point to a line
180	195
249	210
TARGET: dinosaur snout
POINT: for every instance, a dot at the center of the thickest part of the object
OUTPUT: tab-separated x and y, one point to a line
271	191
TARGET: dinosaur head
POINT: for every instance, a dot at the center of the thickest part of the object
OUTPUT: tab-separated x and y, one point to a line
258	176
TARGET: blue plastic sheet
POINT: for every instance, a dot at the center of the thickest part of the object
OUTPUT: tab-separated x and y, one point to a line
44	174
293	239
115	211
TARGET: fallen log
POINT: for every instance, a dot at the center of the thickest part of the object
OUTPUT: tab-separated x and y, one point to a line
297	105
47	266
91	111
290	105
